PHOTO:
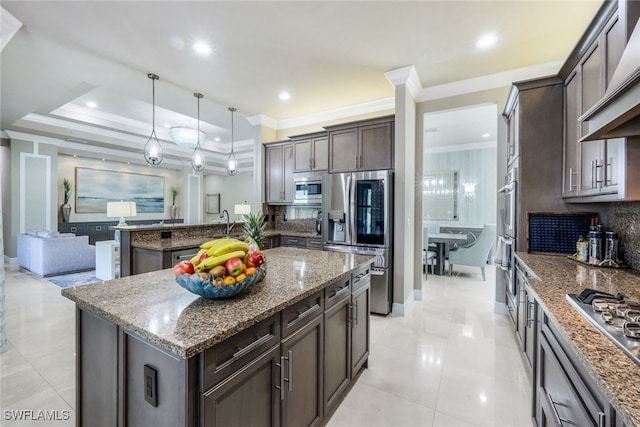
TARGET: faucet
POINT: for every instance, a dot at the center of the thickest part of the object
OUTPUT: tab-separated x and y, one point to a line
229	226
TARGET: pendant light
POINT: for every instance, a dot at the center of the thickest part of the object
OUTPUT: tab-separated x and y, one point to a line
153	149
197	158
232	163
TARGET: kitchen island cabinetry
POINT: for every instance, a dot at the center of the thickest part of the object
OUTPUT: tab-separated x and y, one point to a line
279	173
361	146
151	353
580	377
311	152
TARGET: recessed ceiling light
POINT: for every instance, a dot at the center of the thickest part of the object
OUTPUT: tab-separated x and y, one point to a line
202	48
216	139
91	104
284	96
485	135
167	125
486	41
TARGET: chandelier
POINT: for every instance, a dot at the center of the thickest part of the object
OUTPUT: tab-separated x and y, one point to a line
232	163
197	158
153	149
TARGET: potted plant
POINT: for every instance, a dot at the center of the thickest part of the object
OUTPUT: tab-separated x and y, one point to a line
254	226
65	209
173	210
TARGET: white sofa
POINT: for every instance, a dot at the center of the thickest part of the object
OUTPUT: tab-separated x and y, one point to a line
47	253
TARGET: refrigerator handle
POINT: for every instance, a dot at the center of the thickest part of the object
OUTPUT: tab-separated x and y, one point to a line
353	211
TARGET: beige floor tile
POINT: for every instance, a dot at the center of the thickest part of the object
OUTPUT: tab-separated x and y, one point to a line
444	420
35	409
366	406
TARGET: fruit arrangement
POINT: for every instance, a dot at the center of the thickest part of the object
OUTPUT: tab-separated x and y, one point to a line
222	268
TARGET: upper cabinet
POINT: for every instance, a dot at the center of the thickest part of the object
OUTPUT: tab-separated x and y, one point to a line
598	170
311	152
279	173
361	146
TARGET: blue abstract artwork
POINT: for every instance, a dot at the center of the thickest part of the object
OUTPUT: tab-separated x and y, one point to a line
95	187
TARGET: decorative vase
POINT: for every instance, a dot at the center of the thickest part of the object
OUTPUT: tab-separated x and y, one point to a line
173	211
65	210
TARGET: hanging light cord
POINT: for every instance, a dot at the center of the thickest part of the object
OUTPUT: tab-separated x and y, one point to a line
232	110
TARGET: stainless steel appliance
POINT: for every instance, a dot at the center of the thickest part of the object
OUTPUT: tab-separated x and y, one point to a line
319	223
307	190
508	235
357	217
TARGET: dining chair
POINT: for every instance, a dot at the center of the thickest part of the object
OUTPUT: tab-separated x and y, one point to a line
428	257
476	254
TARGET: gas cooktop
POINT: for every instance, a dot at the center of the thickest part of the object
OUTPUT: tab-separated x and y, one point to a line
616	317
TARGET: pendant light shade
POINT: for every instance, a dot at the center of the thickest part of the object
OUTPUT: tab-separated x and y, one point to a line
197	158
153	149
232	163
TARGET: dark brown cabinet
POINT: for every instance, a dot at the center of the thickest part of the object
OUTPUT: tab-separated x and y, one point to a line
296	241
361	146
279	173
311	152
361	306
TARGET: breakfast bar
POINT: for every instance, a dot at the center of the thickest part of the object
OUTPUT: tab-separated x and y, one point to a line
151	353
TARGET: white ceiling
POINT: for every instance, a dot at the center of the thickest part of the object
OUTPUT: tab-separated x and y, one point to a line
328	54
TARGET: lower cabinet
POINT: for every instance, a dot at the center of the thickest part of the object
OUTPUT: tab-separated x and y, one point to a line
361	306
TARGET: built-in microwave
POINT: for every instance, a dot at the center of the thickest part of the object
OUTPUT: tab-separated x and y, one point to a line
307	191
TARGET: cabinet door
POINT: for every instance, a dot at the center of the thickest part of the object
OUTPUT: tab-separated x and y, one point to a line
614	41
343	150
530	328
247	398
591	167
302	352
337	363
520	311
613	165
302	155
591	81
361	307
571	145
321	153
287	173
274	173
376	147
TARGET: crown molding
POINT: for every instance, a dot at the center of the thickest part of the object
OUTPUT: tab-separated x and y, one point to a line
262	119
9	26
405	76
338	113
12	134
489	81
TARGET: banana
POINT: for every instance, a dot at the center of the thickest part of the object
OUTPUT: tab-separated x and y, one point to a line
210	243
211	262
196	259
231	246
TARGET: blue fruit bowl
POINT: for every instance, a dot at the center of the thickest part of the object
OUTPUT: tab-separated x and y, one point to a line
203	287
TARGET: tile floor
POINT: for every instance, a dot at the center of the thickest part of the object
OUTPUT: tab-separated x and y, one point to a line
450	362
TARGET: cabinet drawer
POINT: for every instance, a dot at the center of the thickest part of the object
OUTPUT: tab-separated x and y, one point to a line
337	291
301	313
229	356
77	229
314	244
293	241
360	277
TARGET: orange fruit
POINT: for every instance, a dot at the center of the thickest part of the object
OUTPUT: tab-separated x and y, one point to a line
229	280
240	277
250	271
244	268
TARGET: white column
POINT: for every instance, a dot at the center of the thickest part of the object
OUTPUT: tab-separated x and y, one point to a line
264	130
407	256
4	346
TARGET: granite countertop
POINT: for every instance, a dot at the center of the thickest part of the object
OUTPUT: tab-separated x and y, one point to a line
615	373
155	307
163	227
177	243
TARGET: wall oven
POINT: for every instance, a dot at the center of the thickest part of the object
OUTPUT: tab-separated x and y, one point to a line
307	191
507	239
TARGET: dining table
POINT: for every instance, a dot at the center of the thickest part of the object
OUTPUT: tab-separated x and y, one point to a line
442	241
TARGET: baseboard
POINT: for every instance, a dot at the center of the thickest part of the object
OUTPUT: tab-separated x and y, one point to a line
10	260
401	309
417	294
500	308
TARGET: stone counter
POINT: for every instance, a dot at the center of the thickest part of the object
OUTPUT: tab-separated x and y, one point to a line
155	307
614	372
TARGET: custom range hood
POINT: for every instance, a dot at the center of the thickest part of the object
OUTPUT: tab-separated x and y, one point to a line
617	114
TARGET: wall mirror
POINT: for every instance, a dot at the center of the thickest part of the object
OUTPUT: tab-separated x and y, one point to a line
440	195
212	203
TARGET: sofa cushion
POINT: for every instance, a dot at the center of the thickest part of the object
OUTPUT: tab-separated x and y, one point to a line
48	234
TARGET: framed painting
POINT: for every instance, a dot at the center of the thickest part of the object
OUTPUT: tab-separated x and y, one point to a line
213	203
96	187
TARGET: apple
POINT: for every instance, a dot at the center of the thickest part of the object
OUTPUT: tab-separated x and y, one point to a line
183	267
233	266
255	259
203	257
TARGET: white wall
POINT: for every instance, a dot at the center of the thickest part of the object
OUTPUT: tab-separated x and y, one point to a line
233	190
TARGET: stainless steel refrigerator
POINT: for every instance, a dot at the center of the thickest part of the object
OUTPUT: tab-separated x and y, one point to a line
357	217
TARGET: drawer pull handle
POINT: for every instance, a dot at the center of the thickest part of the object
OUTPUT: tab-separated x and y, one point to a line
307	312
281	386
249	348
338	291
602	419
555	412
74	229
289	369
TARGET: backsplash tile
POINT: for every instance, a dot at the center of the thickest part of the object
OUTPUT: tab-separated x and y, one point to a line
624	219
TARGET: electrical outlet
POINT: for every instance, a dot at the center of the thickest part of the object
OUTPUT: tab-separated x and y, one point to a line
150	385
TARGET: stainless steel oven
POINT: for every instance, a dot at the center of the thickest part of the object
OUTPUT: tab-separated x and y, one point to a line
510	192
307	191
508	236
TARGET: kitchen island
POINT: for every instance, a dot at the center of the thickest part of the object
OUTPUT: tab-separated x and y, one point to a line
151	353
579	375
